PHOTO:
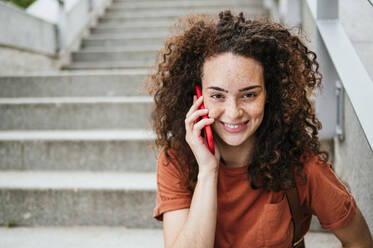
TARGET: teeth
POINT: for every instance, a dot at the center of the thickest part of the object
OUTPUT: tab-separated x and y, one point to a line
231	126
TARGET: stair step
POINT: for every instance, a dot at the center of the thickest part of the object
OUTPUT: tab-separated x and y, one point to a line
138	24
184	4
175	13
77	180
78	198
321	240
150	1
80	237
110	237
115	54
84	150
75	113
122	20
85	83
115	29
139	35
108	65
102	41
118	49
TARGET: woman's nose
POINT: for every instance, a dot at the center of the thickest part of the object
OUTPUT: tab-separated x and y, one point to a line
233	110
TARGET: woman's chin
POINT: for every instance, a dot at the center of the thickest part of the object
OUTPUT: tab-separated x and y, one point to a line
232	141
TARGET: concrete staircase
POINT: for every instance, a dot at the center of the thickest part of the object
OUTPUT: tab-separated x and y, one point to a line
76	166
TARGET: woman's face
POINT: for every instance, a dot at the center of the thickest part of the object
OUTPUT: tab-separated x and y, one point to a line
235	95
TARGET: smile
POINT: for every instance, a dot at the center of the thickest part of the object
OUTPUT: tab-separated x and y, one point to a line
234	128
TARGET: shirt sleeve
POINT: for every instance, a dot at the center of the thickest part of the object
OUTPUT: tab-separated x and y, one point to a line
326	196
172	187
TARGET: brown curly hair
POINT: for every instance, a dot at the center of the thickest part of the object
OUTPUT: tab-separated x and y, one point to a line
288	134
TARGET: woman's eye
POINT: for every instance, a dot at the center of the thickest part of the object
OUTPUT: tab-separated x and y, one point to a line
250	95
217	96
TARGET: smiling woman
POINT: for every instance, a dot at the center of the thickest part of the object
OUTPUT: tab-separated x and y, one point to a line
235	96
256	79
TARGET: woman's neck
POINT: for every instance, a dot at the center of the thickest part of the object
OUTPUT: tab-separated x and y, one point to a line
236	156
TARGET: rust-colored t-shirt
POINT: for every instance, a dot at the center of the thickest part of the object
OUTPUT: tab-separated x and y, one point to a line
257	218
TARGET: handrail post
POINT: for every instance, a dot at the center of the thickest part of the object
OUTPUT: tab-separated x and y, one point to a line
61	27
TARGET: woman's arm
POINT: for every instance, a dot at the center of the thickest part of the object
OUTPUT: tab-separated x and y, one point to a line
194	227
356	233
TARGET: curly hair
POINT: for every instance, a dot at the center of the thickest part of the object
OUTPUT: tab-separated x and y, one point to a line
288	134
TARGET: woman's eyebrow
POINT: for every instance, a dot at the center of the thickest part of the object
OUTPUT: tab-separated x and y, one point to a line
243	89
217	88
250	88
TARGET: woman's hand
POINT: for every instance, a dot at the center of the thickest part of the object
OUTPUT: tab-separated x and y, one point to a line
205	159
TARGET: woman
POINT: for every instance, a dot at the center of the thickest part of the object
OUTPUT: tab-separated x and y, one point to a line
256	79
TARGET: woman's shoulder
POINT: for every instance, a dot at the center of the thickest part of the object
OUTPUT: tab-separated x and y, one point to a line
169	163
314	164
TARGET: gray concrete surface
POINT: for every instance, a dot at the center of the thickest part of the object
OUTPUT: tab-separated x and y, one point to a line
107	19
108	65
119	42
354	163
353	158
356	18
22	30
139	24
88	83
75	113
97	150
14	61
80	237
175	13
130	30
145	54
110	237
78	198
184	4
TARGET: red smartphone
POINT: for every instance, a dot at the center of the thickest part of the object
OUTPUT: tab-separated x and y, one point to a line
207	129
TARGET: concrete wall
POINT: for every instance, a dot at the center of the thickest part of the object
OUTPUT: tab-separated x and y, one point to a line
353	157
20	30
357	18
354	163
76	19
15	61
30	44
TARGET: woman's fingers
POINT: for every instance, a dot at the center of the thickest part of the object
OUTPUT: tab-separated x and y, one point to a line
195	105
201	124
192	119
197	114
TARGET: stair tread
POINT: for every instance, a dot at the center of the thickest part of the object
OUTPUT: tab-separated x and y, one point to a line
164	4
118	49
61	100
74	180
80	237
107	237
129	134
80	73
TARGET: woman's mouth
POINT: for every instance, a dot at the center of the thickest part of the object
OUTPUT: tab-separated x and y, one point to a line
234	128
